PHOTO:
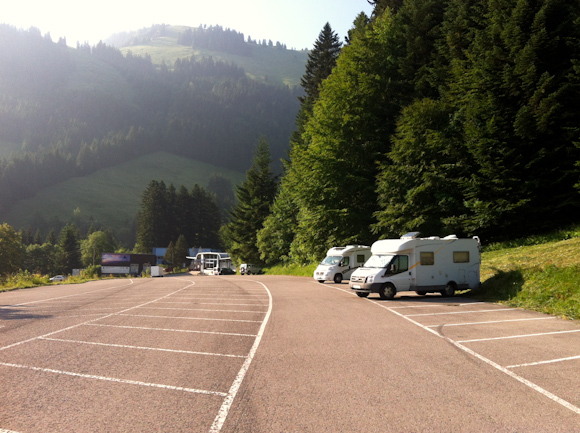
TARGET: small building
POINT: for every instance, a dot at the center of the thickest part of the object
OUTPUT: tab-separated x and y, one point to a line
127	264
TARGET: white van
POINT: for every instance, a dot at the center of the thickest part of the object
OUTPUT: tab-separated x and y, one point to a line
249	269
422	265
341	262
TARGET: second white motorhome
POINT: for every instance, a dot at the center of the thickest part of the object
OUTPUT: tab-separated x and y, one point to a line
341	262
422	265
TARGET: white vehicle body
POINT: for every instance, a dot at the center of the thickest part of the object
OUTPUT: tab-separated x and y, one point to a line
341	262
157	271
249	268
419	264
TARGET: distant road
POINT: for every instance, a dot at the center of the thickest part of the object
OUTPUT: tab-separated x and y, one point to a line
278	354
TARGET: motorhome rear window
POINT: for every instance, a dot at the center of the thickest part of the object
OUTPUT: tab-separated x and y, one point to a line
460	256
427	258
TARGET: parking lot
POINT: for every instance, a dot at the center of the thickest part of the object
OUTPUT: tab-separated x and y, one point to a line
268	353
538	350
182	348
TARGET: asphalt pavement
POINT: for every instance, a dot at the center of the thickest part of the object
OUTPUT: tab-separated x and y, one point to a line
278	354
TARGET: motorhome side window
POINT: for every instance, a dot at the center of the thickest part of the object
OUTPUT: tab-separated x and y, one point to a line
400	264
460	256
360	258
427	258
345	261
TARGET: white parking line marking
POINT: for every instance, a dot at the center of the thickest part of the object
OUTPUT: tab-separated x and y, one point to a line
427	304
172	330
191	318
489	362
206	309
492	321
90	321
227	403
520	336
550	361
461	312
75	294
158	349
112	379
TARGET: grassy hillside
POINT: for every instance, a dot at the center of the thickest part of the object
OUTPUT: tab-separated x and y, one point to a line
267	64
112	196
543	274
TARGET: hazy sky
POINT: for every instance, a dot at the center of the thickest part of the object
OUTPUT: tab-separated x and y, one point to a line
296	23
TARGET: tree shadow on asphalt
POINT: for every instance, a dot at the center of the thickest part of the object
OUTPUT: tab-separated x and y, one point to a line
11	313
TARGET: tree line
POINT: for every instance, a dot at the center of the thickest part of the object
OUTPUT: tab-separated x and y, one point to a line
168	217
443	117
66	124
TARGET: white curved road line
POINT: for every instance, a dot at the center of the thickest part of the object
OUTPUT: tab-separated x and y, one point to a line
227	404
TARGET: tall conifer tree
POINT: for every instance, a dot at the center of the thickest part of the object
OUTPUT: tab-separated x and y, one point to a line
254	196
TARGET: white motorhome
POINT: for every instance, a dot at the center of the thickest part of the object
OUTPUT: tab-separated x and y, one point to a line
422	265
341	262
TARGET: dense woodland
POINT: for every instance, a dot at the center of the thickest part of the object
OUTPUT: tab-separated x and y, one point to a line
442	117
438	116
71	112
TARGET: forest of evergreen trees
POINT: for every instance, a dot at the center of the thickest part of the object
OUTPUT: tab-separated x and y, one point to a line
73	111
438	116
442	117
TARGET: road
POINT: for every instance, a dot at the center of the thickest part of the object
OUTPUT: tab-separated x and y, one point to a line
278	354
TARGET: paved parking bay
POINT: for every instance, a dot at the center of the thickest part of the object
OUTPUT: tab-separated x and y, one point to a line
539	350
70	355
272	353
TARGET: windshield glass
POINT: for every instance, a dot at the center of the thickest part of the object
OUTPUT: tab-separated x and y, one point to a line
331	260
379	260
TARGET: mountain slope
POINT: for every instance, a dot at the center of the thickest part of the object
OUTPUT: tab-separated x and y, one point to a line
111	196
67	114
271	64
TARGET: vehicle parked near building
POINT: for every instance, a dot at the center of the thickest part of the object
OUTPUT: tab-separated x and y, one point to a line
422	265
249	269
341	262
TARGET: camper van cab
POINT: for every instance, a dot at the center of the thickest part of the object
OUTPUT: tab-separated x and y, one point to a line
422	265
341	262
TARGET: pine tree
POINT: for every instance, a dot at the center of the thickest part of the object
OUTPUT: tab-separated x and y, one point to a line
321	61
352	122
254	198
181	250
152	229
69	242
275	239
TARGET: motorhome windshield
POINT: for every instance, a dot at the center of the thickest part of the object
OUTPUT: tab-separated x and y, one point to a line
379	260
331	260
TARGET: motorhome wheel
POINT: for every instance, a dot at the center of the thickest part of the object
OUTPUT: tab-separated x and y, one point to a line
448	291
421	293
338	278
387	291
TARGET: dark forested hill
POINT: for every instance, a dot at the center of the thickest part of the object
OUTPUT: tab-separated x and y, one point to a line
68	112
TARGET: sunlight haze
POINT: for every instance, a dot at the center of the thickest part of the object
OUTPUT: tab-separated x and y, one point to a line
296	24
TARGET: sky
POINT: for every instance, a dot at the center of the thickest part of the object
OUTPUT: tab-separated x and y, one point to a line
296	23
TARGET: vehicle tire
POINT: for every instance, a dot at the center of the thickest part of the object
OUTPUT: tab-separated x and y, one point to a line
362	294
387	291
421	293
321	281
338	278
448	291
